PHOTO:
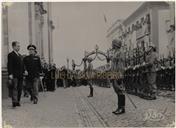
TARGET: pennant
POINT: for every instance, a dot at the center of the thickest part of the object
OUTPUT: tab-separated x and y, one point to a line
105	19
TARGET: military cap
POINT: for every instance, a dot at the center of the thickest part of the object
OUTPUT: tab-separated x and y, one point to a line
89	59
31	45
116	43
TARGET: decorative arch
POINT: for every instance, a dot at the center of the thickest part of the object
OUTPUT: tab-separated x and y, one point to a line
95	52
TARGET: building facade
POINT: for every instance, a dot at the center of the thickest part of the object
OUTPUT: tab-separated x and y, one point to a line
27	23
148	24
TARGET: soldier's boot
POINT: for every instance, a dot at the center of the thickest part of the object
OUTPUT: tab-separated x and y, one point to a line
115	111
121	105
31	95
146	93
91	92
173	89
153	92
35	100
118	104
153	95
142	93
121	110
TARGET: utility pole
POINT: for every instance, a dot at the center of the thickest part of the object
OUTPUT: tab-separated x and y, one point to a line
67	63
30	22
50	29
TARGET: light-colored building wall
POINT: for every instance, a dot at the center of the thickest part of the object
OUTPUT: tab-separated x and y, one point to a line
25	27
4	44
162	29
24	22
114	31
18	29
133	36
159	13
45	36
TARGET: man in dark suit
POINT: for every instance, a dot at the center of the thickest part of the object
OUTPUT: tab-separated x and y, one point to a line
33	69
15	71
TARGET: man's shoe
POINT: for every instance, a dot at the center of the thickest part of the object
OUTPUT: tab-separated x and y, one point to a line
18	104
90	96
31	99
13	105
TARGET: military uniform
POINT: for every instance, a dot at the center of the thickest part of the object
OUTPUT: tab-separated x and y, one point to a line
151	75
89	77
64	72
33	66
117	65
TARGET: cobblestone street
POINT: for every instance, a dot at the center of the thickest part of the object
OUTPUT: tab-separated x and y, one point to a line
70	107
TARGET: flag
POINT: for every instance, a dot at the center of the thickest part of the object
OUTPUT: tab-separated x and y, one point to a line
105	18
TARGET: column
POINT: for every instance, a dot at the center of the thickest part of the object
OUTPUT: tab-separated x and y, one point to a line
42	45
39	22
50	29
5	51
154	27
172	13
49	32
30	22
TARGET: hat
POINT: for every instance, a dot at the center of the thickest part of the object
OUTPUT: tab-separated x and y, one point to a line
116	43
31	45
89	59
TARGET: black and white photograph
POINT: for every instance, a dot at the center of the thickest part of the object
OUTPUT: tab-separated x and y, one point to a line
87	64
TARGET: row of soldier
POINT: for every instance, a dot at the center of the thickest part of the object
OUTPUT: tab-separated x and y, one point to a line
144	73
143	77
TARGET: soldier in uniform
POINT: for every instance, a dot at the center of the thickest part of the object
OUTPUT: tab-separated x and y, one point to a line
151	75
33	69
89	76
117	65
65	74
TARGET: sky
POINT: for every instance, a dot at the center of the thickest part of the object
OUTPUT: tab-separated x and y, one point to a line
80	26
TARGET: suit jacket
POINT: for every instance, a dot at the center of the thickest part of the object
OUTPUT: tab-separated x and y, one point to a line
15	65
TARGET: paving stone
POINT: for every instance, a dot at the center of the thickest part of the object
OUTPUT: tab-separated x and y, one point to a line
70	107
